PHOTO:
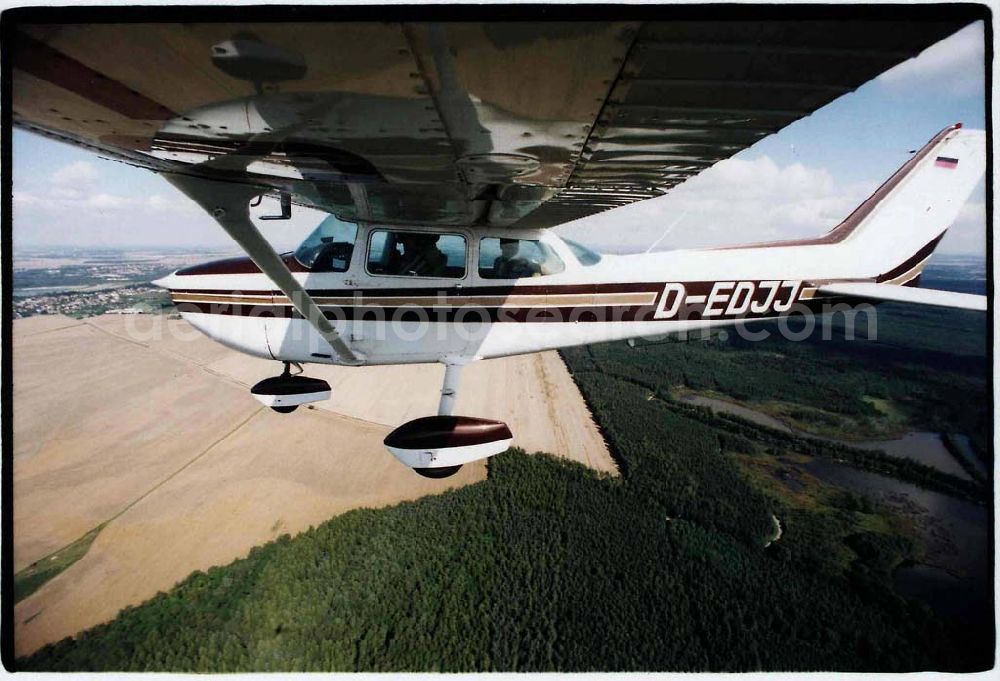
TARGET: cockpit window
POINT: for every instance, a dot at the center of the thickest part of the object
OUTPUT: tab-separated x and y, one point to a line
329	247
501	258
586	256
416	254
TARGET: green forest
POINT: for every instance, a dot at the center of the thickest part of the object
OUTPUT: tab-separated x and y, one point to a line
549	566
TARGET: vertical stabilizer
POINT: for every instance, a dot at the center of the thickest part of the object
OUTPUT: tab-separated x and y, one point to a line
894	232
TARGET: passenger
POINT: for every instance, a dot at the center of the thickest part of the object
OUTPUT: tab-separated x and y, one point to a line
509	265
421	257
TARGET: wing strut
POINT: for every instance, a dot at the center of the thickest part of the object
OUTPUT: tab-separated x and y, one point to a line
229	204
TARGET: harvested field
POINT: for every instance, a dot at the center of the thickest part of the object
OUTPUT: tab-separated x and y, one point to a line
157	438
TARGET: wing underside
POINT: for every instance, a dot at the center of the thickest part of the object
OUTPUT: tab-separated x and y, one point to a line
490	123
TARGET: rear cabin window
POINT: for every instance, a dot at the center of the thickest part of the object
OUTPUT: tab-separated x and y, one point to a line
416	254
329	247
501	258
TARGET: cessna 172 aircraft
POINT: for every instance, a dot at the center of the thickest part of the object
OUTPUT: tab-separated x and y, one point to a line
445	152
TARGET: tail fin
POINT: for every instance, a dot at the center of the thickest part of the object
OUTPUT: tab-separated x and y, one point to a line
893	233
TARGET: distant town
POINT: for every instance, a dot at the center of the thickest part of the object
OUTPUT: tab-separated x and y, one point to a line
140	299
84	283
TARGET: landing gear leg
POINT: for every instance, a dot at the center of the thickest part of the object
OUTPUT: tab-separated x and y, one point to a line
449	389
287	373
449	394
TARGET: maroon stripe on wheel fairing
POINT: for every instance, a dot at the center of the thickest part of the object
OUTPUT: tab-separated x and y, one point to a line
437	432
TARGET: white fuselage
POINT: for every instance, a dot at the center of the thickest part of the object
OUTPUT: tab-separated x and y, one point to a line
400	319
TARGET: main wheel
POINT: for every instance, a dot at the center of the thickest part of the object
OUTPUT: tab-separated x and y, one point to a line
438	473
286	410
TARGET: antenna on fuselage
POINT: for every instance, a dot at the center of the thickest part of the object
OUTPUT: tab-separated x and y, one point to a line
666	232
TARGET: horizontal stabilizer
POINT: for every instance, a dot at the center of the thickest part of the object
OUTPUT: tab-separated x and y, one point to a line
907	294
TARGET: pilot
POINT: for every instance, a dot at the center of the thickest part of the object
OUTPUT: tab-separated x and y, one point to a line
509	265
421	256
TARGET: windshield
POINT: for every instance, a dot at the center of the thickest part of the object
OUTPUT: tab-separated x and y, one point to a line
508	258
329	247
586	256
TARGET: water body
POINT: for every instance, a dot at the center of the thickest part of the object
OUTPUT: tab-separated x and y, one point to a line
962	274
922	447
747	413
948	595
956	579
964	445
925	448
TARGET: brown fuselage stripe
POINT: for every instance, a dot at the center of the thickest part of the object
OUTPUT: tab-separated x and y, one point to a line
459	290
911	262
908	275
478	315
640	298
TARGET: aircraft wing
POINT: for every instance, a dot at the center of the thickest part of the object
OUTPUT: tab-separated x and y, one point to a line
907	294
490	123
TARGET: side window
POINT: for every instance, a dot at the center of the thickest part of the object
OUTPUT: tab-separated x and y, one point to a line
501	258
416	254
329	247
586	256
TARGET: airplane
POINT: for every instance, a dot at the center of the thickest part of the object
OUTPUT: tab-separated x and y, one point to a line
444	153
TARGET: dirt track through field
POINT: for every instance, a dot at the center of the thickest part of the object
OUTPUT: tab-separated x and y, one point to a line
159	439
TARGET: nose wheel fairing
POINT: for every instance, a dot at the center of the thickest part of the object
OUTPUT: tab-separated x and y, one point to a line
286	392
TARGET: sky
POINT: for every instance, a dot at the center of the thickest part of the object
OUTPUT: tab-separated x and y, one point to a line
800	182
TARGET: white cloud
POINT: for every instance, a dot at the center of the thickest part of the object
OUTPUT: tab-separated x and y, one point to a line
159	202
735	201
23	199
73	181
73	208
968	233
109	202
81	174
953	66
